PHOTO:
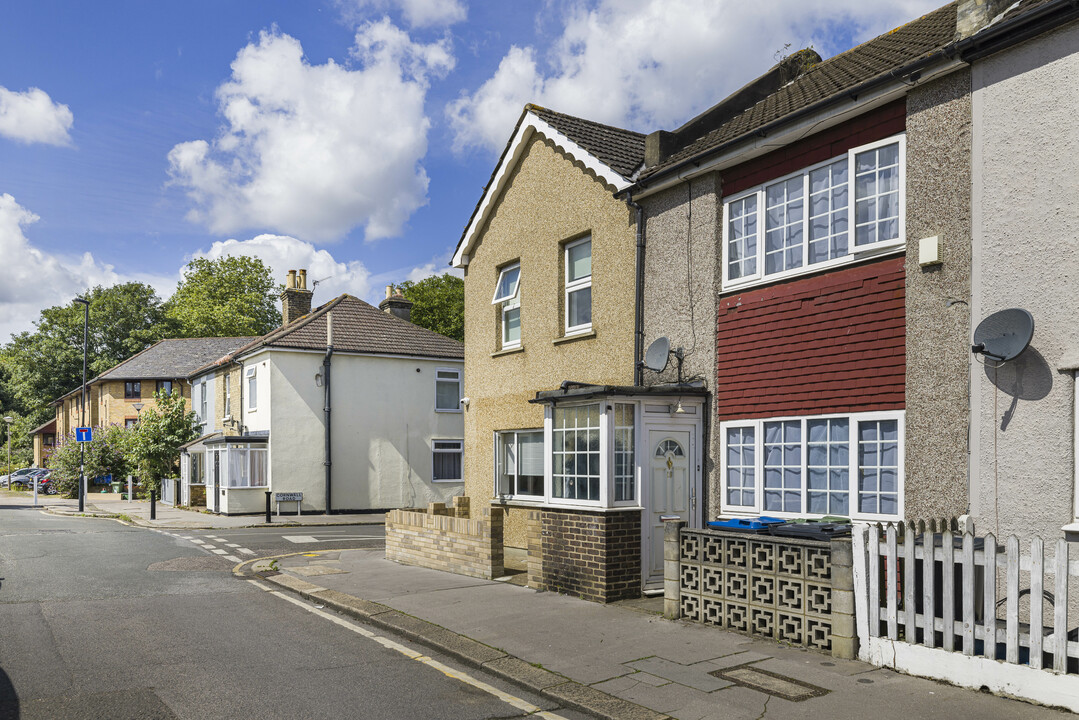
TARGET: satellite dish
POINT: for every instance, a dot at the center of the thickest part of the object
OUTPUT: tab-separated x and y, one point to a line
1004	334
658	354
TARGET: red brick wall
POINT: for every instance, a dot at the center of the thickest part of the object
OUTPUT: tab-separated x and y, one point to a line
876	125
833	342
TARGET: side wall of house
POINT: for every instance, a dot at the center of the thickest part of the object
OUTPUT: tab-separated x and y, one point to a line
938	297
382	440
548	200
683	227
1025	141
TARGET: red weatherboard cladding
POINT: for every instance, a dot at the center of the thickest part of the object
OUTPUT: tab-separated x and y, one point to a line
878	124
832	342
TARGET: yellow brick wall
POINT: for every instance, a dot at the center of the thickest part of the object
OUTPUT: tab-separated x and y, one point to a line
445	539
233	406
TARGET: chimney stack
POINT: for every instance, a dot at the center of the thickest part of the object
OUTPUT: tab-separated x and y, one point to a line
396	304
973	15
296	299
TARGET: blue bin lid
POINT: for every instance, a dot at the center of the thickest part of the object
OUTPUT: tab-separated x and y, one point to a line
758	523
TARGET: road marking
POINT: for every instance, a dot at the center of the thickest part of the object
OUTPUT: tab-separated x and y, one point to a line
219	551
299	538
446	670
245	551
231	545
199	542
208	546
233	558
327	538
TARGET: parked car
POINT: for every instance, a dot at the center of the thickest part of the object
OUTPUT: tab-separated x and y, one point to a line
13	477
26	482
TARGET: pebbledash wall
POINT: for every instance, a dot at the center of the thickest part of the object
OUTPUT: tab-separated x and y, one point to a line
549	200
1025	141
683	234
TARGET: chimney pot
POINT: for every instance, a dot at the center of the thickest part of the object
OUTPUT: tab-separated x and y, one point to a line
389	291
291	281
296	299
303	278
395	304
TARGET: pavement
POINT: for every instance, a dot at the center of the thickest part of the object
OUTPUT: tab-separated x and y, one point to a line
620	661
137	512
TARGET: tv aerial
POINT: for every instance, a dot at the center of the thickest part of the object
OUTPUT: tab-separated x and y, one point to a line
659	355
1004	335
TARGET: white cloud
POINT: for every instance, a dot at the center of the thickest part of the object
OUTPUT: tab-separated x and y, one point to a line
32	117
283	253
650	64
417	13
316	150
34	279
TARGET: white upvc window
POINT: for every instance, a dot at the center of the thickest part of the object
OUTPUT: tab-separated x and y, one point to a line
447	390
252	388
846	465
447	458
579	286
576	453
228	394
247	467
196	473
625	458
508	295
519	464
204	418
828	214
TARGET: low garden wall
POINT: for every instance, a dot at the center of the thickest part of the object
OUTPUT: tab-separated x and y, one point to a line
786	589
443	538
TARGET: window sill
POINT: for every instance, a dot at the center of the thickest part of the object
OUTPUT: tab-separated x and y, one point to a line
447	482
447	410
571	338
541	504
508	351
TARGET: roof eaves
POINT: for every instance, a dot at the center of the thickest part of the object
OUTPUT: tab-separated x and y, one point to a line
529	123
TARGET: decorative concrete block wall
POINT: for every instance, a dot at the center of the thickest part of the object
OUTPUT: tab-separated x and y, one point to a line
593	555
791	590
444	538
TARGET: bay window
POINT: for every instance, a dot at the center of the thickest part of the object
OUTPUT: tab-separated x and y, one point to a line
804	221
246	467
847	465
575	452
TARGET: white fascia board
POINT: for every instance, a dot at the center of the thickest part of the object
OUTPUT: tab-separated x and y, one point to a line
825	118
531	124
320	352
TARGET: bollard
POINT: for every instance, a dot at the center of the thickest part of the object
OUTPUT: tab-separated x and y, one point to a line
130	497
268	518
153	505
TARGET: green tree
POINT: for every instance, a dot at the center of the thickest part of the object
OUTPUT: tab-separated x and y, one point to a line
155	442
229	297
42	365
106	454
438	304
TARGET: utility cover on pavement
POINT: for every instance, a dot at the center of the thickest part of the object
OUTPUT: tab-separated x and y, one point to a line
769	682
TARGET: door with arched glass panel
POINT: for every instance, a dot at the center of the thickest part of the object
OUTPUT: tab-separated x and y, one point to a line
669	490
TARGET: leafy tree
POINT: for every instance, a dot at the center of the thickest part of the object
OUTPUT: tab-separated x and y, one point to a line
106	454
229	297
154	443
438	304
42	365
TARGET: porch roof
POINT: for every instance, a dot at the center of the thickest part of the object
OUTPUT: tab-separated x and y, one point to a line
571	390
237	439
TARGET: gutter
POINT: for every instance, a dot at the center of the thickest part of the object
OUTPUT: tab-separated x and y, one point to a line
328	461
638	294
990	40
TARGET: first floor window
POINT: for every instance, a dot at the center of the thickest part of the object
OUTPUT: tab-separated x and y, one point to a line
203	399
132	390
447	390
448	456
252	389
164	386
834	465
579	286
519	458
575	452
508	296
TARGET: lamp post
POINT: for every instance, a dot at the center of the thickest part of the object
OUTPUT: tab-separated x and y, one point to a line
138	412
8	419
82	423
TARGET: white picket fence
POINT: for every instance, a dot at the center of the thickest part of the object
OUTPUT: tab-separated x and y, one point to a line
957	617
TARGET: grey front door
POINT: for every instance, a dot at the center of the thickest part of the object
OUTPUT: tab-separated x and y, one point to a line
217	481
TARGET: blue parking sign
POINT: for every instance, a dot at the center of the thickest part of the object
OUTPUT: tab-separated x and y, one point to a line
83	434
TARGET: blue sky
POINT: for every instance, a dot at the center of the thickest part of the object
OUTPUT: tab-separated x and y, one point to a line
352	137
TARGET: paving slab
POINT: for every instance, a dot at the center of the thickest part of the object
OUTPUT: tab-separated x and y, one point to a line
690	675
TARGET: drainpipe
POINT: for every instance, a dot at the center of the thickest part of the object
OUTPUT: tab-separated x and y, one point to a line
638	295
328	462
